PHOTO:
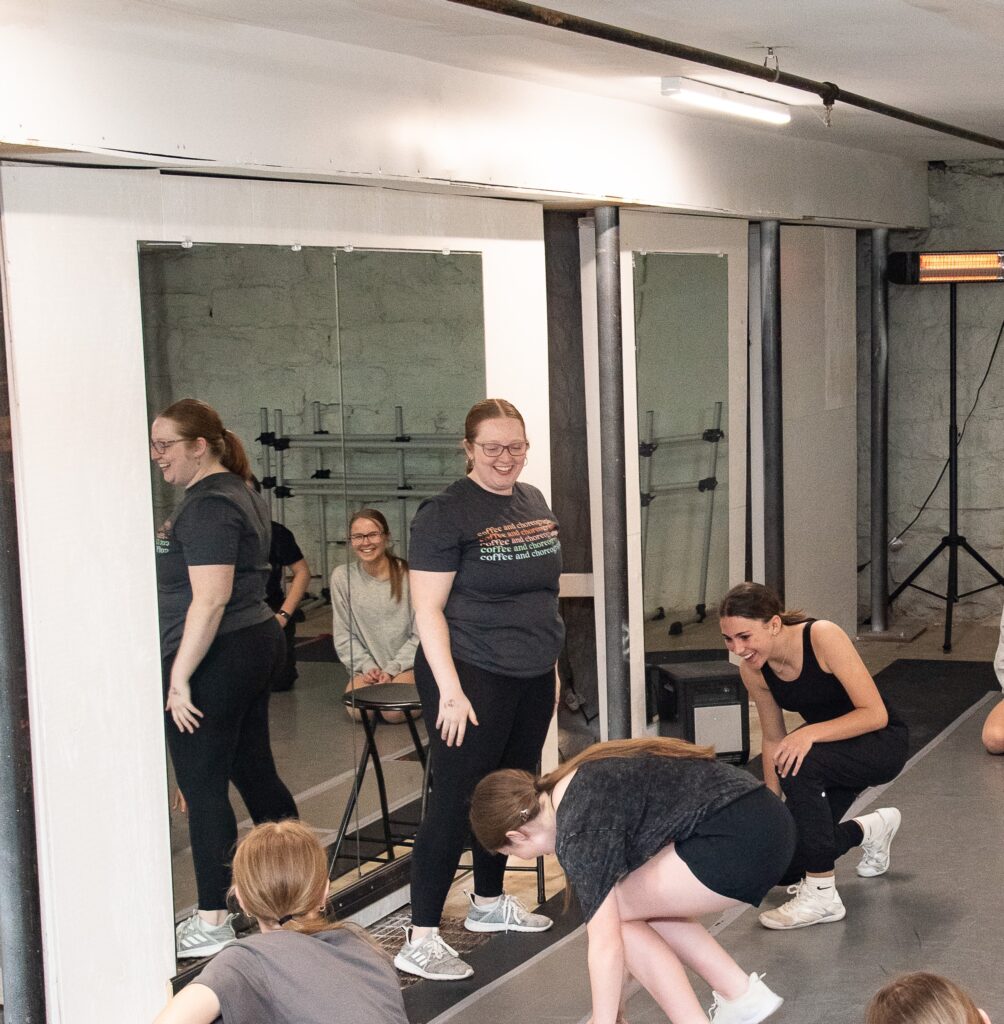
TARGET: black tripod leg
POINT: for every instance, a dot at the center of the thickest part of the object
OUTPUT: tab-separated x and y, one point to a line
965	545
920	568
952	592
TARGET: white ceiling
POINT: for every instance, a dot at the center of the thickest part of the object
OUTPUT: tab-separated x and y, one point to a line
938	58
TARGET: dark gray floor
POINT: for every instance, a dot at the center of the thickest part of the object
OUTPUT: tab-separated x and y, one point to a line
940	907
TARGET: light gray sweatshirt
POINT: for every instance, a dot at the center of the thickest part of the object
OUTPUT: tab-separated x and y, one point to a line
371	629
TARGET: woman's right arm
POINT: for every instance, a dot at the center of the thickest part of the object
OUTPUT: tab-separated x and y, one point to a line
772	724
194	1004
429	594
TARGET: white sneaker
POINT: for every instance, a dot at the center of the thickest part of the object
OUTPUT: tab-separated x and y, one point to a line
880	828
757	1003
506	914
194	937
808	907
431	958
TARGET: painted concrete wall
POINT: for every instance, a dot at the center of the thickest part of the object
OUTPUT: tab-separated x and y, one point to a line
124	77
818	351
72	299
967	212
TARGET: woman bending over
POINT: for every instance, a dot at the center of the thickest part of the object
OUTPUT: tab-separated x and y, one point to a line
651	833
851	740
301	968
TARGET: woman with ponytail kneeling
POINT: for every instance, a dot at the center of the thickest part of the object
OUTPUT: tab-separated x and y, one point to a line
651	833
301	968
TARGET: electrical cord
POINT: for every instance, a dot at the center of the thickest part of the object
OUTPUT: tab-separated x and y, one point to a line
902	533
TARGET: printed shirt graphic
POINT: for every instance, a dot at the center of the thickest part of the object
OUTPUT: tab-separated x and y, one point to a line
503	607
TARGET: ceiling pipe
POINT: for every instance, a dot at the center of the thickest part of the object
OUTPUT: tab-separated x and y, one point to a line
826	91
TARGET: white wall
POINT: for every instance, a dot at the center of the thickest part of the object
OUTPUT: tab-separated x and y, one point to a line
127	77
818	352
83	491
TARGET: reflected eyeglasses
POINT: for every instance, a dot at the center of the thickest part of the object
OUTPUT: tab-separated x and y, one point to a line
365	538
517	449
160	447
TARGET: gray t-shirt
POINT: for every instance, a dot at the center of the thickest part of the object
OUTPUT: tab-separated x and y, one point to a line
618	813
503	607
285	977
219	521
370	629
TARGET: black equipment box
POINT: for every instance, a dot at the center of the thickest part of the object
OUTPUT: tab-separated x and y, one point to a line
706	703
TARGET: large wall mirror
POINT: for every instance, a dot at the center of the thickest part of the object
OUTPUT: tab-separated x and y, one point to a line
681	309
357	367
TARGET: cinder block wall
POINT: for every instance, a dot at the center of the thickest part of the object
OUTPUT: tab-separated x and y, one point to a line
245	327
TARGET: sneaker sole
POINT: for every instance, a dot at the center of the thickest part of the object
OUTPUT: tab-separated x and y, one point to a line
409	968
481	926
868	872
201	951
773	926
768	1012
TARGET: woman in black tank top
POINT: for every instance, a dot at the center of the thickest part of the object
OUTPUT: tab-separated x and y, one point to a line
851	740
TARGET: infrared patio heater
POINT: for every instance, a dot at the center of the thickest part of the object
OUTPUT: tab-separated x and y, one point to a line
953	269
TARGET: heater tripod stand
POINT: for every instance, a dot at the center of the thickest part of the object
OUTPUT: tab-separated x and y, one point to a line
952	542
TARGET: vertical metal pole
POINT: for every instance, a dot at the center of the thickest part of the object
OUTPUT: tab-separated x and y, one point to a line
611	367
280	470
709	518
266	460
952	591
773	433
20	909
322	505
880	433
646	483
402	483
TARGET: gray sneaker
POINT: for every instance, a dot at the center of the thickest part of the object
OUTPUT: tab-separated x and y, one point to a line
506	914
431	958
193	937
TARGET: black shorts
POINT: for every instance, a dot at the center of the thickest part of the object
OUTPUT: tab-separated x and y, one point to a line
742	850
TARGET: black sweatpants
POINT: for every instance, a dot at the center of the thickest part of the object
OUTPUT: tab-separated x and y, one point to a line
231	688
828	782
514	715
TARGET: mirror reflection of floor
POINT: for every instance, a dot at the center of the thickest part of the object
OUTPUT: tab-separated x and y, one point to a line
316	749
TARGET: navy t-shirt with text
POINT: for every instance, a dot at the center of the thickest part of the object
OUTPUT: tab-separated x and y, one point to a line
503	607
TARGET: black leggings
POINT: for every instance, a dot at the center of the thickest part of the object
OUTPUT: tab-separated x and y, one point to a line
828	782
231	688
514	715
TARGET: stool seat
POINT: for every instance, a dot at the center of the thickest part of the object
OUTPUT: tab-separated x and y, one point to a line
384	697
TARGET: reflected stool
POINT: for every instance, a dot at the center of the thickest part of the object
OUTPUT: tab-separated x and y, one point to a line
369	701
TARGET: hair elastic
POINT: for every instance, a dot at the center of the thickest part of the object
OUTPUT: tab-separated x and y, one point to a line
285	918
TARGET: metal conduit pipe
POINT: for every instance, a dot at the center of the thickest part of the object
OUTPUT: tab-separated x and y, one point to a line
20	910
615	571
773	432
828	92
879	432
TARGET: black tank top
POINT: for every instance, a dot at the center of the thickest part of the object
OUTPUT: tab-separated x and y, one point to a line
816	695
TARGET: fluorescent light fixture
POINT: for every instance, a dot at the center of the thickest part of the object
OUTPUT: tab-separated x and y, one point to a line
945	267
724	101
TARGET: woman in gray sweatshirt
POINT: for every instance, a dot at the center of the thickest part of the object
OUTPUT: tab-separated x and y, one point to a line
373	624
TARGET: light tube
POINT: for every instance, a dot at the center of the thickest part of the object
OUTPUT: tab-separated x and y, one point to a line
725	101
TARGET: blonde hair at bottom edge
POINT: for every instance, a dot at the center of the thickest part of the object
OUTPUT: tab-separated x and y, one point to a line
923	998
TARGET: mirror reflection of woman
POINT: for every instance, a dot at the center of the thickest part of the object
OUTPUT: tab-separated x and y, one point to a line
372	619
220	645
485	563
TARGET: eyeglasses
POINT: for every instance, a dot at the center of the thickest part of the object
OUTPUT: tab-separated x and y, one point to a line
517	449
365	538
161	446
